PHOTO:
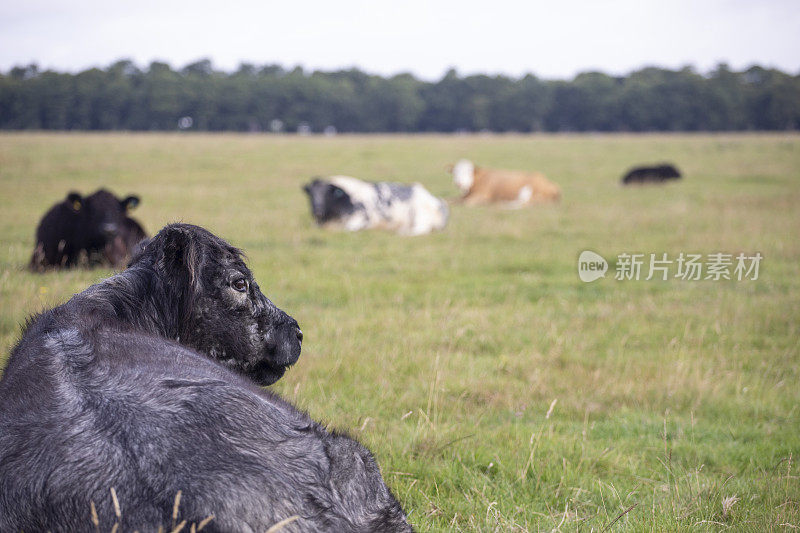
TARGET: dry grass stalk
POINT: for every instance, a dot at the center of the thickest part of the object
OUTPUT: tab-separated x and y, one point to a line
175	509
550	410
117	509
205	522
283	523
620	515
95	519
727	505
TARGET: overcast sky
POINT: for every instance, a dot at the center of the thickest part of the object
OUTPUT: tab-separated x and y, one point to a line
553	39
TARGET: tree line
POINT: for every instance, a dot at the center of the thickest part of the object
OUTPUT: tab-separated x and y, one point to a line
272	98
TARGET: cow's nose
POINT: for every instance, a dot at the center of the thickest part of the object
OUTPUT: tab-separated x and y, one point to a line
109	228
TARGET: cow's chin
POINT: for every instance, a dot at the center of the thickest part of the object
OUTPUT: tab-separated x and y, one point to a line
333	223
326	220
264	373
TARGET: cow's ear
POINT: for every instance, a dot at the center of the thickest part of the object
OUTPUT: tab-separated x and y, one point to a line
178	255
130	203
307	188
75	200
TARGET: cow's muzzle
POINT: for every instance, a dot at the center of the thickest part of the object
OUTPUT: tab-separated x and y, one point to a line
109	229
282	349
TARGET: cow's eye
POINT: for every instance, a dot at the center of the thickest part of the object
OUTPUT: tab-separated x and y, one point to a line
239	284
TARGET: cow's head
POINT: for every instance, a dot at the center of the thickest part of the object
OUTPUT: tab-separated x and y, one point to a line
463	174
328	202
103	214
221	310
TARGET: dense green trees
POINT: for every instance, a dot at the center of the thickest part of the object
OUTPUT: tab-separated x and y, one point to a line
270	98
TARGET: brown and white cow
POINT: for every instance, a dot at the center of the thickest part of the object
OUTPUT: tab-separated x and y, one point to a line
513	188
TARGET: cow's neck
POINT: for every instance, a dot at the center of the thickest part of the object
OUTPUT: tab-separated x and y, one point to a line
140	300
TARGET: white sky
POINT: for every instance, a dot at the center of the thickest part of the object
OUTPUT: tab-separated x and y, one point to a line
553	39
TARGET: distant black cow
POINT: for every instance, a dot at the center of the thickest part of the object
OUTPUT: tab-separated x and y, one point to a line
143	384
654	174
93	229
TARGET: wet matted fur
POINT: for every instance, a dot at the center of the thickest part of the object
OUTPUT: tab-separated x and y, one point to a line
143	384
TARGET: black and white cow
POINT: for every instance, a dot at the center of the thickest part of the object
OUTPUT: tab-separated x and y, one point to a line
352	204
654	174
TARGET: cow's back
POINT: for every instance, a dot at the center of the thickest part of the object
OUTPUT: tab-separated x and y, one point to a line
409	209
509	185
148	417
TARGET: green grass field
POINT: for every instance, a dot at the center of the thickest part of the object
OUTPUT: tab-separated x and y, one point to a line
672	405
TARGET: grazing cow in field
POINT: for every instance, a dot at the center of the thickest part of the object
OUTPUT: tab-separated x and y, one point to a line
510	187
94	229
352	204
146	385
654	174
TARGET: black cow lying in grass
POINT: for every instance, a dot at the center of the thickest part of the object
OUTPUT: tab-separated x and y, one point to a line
143	384
655	174
92	230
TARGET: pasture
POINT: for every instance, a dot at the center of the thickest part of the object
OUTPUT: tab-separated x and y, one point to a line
497	391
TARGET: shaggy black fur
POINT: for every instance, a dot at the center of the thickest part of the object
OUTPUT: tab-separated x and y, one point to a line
656	174
94	229
141	384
